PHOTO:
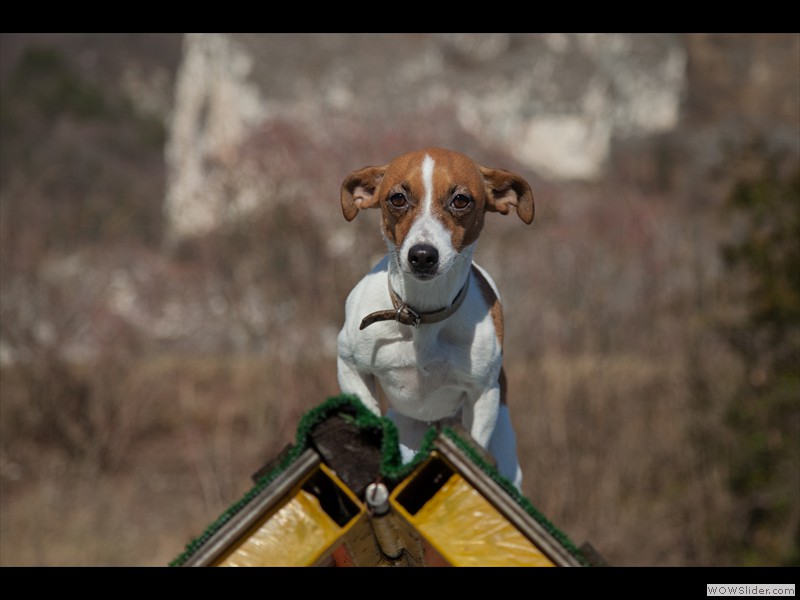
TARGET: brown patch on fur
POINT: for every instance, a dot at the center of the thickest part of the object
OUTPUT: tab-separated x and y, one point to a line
495	308
496	311
408	181
455	173
503	386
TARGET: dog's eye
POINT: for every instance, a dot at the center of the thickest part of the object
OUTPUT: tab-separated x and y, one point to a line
397	200
460	201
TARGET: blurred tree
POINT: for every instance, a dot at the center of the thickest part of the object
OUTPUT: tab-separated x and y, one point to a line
765	414
80	168
79	163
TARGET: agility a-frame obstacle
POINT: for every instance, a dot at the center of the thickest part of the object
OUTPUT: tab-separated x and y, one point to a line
340	496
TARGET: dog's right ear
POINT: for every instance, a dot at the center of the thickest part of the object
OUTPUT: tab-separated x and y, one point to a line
358	190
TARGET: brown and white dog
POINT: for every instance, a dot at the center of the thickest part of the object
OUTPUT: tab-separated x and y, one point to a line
426	323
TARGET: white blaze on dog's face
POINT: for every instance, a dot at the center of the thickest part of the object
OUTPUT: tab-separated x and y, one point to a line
433	203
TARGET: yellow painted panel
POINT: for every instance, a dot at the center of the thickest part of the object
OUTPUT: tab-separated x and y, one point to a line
468	531
296	535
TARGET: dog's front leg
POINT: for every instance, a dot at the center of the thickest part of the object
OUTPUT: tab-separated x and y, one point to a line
480	415
363	385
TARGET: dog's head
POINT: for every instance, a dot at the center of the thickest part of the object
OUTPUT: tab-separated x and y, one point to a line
433	203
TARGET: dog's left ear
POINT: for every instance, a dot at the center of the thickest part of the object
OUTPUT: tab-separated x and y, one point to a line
358	190
505	190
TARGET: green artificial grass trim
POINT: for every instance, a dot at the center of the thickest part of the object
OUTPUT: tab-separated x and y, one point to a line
344	403
395	470
392	468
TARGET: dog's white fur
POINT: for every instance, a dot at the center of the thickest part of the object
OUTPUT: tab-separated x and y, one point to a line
451	370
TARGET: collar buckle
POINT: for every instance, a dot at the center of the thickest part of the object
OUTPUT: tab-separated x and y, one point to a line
408	316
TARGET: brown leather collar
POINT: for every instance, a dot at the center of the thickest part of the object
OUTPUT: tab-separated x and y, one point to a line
406	315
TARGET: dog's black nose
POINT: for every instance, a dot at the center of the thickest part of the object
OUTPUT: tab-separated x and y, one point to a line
424	259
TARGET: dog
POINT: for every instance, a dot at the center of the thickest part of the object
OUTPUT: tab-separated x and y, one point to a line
426	324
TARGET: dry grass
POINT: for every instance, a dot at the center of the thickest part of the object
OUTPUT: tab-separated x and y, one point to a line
201	427
607	449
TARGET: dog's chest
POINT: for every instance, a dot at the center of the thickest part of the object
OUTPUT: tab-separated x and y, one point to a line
425	374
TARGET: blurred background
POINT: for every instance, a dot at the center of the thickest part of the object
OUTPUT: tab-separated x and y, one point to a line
175	263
